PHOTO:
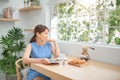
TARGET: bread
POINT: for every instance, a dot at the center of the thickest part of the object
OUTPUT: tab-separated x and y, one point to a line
76	62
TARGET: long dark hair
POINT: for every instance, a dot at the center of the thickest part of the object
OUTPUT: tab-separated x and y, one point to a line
39	28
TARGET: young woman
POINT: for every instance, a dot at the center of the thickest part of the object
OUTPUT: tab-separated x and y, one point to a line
39	50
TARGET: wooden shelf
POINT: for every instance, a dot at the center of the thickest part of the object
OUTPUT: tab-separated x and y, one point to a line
8	19
29	30
30	8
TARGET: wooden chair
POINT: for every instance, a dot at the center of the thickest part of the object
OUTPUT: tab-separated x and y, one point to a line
20	66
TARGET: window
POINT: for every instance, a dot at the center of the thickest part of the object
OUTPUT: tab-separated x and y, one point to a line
89	21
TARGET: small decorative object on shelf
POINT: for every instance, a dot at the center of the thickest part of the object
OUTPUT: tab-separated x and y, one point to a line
31	5
7	12
25	3
35	2
28	3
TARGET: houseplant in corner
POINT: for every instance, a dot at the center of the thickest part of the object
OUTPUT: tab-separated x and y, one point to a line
11	45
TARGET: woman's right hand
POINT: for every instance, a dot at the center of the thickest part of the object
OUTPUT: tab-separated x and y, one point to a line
45	61
50	40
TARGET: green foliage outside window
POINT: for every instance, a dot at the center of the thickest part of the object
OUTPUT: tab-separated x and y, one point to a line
76	22
114	21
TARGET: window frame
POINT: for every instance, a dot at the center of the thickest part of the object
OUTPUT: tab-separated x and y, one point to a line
103	31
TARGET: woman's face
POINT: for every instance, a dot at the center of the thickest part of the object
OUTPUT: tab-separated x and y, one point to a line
43	36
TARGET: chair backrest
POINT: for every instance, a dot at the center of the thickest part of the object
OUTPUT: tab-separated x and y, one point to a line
19	66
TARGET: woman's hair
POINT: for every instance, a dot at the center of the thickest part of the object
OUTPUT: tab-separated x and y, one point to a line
39	28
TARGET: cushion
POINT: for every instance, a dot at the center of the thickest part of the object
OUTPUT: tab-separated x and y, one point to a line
24	73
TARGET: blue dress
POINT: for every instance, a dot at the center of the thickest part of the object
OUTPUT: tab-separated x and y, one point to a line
38	51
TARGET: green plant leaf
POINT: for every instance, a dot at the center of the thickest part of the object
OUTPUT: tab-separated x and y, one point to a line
11	45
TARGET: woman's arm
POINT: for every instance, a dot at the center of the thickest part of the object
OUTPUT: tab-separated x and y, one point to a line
55	48
27	59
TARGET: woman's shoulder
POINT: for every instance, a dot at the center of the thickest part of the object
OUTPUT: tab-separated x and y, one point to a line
30	44
33	43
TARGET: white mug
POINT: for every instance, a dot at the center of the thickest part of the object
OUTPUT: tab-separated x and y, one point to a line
62	57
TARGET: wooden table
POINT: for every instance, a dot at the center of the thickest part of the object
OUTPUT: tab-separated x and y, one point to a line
92	71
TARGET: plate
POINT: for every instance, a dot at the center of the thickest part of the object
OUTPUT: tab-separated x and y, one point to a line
54	61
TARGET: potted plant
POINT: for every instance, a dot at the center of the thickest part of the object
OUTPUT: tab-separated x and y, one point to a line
35	2
11	45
